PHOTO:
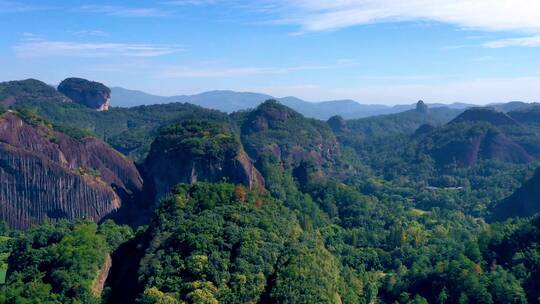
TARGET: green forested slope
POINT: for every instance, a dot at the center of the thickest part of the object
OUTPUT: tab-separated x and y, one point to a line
364	211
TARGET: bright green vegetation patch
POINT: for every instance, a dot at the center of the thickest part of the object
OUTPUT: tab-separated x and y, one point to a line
29	90
59	263
128	130
4	254
220	243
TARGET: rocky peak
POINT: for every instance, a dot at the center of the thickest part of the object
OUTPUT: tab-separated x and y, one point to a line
92	94
337	123
274	129
421	107
270	114
194	151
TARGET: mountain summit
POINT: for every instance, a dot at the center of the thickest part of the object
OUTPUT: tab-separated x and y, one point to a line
421	107
94	95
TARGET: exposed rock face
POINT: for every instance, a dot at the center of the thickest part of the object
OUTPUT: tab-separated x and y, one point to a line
421	107
48	175
92	94
101	278
198	151
524	202
481	134
278	130
475	142
29	90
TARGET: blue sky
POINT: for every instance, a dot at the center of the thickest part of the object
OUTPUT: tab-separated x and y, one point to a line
373	51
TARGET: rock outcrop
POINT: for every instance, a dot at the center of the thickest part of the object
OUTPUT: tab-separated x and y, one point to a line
275	129
198	151
337	123
421	107
480	134
48	175
29	90
92	94
101	278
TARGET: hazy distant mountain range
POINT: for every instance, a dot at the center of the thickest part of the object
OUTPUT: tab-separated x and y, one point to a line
230	101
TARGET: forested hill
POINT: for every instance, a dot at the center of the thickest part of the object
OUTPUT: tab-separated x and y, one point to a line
430	205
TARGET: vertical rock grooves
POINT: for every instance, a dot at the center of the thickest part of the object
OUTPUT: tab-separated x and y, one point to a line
45	175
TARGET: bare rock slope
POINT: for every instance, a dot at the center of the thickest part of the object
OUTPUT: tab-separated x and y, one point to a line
46	174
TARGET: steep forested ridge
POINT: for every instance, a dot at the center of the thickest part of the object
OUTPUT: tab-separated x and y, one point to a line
268	206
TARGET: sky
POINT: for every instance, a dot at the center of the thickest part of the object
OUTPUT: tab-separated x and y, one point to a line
372	51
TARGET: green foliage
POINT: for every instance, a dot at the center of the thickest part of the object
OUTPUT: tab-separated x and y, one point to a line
76	133
114	234
58	264
4	254
514	246
82	85
199	139
29	90
276	129
311	274
209	245
368	211
129	130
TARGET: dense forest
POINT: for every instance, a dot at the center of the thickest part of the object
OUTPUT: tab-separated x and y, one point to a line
268	206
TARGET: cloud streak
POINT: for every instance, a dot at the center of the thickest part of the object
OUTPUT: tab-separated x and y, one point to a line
491	15
46	48
533	41
121	11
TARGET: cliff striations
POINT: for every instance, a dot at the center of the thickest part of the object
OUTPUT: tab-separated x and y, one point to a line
46	174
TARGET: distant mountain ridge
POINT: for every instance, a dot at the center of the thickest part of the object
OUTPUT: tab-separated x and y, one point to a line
231	101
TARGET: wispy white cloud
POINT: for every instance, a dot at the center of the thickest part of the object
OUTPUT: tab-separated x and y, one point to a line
124	11
532	41
190	2
90	33
399	77
492	15
47	48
